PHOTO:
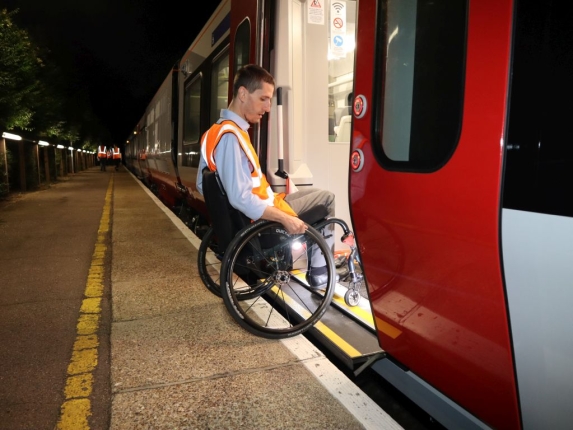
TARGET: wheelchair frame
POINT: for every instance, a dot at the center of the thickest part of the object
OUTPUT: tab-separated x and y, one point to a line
262	267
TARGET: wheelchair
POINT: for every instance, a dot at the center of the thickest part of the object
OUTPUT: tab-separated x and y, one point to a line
259	269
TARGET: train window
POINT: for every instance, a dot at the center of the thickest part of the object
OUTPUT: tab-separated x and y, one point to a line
191	122
150	133
539	153
418	100
242	45
219	85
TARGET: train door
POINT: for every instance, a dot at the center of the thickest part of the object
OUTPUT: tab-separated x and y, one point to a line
202	92
308	46
246	17
429	109
142	149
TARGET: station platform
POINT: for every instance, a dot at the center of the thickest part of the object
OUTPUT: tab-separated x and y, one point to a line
105	323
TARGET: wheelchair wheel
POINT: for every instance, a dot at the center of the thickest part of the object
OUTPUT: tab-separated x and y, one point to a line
352	297
271	298
209	262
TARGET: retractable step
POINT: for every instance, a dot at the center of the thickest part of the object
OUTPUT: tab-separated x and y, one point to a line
348	332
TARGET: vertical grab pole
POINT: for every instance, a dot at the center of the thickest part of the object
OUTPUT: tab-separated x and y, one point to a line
280	172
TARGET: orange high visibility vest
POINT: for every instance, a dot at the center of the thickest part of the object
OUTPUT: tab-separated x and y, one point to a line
116	154
261	188
101	151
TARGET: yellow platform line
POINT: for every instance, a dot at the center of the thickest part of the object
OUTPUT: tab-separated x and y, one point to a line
358	311
323	328
76	408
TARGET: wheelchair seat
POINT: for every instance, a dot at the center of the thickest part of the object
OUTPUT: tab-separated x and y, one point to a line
228	221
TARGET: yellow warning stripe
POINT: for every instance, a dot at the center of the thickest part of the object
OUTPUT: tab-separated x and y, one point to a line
76	409
337	340
356	310
359	312
387	329
320	326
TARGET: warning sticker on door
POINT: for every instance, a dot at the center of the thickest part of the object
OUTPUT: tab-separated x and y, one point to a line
316	11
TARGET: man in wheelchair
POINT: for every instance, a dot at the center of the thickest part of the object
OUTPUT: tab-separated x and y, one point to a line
226	148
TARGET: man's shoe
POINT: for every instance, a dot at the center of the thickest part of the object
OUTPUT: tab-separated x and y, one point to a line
318	281
339	260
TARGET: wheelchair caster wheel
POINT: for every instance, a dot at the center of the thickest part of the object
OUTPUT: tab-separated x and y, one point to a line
352	297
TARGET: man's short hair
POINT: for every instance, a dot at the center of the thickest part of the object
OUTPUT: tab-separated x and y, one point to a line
251	77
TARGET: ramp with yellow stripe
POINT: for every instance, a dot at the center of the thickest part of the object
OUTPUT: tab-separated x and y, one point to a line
346	331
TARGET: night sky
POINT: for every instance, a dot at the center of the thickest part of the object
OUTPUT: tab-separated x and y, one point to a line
120	50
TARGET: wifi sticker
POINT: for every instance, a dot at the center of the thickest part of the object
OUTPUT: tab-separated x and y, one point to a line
338	28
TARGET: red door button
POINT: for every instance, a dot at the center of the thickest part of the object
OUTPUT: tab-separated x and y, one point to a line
359	106
357	160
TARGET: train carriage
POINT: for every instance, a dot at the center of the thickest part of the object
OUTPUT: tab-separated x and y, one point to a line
150	148
442	128
466	248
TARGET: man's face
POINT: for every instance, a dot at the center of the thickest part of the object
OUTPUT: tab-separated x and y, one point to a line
257	103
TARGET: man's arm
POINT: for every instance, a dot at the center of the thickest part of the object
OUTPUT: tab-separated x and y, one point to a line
234	171
199	179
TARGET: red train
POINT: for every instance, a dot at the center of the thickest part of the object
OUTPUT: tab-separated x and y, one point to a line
443	128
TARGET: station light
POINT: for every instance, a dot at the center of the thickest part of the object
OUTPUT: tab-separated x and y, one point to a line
43	143
11	136
71	148
60	146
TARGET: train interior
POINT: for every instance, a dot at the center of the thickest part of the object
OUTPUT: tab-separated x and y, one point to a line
313	61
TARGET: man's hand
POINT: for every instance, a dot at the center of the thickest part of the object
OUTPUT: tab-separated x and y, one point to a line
292	224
